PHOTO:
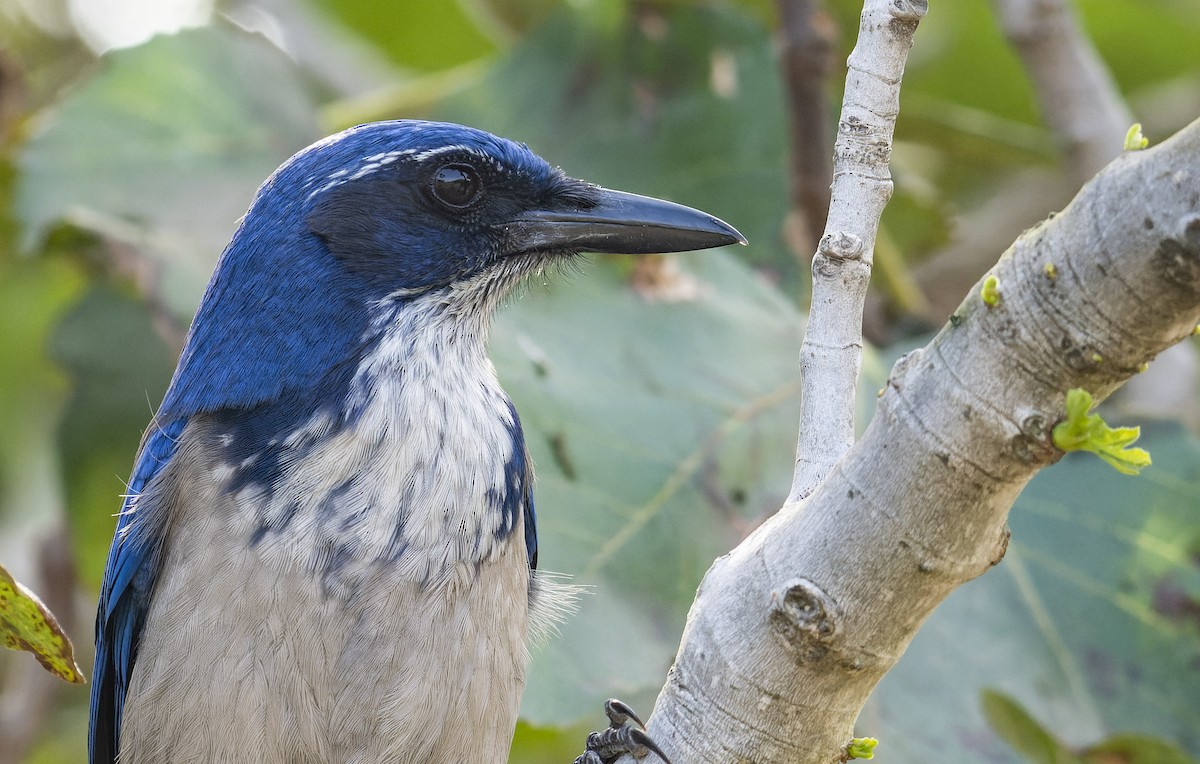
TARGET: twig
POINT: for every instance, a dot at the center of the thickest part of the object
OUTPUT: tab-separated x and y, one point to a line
806	57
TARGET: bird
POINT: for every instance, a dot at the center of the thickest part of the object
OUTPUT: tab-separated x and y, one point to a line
327	551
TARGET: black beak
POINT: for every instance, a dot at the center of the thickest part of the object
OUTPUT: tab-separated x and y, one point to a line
620	223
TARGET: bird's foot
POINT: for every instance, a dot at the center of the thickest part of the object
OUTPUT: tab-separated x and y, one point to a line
625	734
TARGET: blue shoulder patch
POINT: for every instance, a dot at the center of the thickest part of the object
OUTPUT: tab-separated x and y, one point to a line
124	600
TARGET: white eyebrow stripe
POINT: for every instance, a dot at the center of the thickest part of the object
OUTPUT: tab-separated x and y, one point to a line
366	166
456	148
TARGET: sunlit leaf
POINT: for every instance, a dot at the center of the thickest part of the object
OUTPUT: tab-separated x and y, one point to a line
163	149
26	624
420	35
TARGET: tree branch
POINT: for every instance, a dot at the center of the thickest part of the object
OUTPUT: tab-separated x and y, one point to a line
832	351
806	57
1081	103
1075	91
793	629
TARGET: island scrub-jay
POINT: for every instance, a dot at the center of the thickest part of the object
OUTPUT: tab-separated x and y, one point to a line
327	550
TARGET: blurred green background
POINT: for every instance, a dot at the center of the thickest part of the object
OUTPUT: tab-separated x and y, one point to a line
660	402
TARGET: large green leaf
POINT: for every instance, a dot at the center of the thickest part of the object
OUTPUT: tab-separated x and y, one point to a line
658	429
1092	621
682	102
163	149
114	394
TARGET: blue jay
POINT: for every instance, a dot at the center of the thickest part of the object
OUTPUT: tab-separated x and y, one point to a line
328	550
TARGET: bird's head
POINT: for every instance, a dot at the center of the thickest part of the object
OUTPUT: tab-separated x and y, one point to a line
379	216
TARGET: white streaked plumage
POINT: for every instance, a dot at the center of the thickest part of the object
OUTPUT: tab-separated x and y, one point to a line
244	638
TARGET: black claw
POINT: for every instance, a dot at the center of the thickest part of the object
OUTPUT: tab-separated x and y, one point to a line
641	738
619	712
620	738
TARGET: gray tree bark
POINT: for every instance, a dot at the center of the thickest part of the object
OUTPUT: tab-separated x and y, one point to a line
792	630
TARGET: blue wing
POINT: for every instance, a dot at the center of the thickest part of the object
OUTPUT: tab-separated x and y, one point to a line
125	599
518	493
531	543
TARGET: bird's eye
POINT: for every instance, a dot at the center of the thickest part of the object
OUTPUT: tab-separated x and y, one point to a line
456	185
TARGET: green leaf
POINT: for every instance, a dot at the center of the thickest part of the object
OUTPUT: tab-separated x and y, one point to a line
862	748
113	397
162	150
26	624
660	432
1091	622
1081	431
552	745
1134	140
1142	43
422	36
1014	724
1135	749
593	92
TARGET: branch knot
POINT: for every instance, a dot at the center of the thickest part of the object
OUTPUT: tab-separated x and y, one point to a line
1180	257
805	617
840	245
1033	444
910	10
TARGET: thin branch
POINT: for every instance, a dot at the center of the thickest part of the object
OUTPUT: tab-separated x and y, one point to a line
806	58
1086	114
1074	88
832	351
